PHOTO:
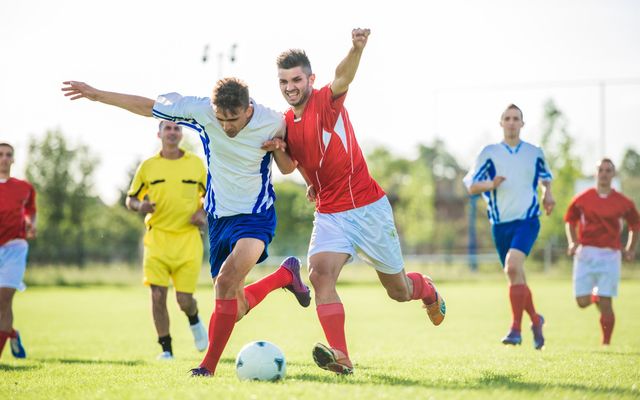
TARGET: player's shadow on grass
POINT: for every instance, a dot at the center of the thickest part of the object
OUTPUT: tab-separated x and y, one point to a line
488	380
129	363
18	368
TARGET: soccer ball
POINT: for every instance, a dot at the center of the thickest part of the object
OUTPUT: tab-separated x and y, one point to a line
260	361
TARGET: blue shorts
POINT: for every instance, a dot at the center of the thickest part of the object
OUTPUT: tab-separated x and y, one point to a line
225	232
520	234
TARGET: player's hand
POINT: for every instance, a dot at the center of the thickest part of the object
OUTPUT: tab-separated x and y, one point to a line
30	229
572	249
548	202
147	207
629	255
274	144
311	194
497	181
359	37
78	90
199	218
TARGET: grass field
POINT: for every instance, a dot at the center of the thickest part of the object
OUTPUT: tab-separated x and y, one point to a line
99	342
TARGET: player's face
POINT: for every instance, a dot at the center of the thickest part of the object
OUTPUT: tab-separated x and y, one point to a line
511	122
295	85
606	172
6	158
170	134
233	121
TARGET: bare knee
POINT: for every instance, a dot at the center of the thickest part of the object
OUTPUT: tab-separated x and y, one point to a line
185	301
158	295
583	301
226	285
399	294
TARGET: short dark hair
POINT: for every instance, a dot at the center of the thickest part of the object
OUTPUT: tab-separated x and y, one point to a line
294	58
230	93
606	159
162	121
9	146
513	107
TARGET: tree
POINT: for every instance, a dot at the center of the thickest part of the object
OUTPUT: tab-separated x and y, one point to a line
558	147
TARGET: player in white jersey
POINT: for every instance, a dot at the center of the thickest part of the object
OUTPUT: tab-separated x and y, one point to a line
238	138
507	174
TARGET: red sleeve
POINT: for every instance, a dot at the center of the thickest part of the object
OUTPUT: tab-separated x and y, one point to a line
30	206
632	217
331	106
572	215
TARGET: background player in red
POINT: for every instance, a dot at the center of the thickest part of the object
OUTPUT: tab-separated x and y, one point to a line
593	226
17	223
352	214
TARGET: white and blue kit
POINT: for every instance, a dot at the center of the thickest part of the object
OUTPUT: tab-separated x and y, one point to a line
513	208
240	197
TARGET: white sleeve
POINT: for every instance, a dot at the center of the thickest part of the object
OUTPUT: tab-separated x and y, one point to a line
174	107
542	168
480	169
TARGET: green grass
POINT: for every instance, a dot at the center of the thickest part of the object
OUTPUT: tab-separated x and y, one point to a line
99	342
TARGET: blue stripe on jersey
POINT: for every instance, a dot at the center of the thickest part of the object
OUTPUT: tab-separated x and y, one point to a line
266	184
210	198
532	211
488	172
162	115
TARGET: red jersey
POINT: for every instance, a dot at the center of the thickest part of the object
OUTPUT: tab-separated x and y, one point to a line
17	201
599	218
323	143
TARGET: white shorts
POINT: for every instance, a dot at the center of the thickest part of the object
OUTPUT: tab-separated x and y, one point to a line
596	270
369	231
13	262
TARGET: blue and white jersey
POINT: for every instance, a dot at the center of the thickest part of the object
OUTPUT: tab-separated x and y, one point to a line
239	171
522	166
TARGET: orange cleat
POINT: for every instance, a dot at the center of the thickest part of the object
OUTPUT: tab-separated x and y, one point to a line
436	310
332	360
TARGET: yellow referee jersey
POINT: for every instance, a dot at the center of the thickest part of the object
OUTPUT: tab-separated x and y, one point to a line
175	186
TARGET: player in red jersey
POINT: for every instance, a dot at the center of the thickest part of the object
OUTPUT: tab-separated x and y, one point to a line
17	223
353	215
593	226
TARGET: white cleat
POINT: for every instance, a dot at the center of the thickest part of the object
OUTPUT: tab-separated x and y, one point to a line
165	356
200	337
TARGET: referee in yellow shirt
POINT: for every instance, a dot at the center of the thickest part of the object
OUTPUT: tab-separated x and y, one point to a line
169	188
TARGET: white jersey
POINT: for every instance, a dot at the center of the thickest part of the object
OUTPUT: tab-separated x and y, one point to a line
522	166
239	171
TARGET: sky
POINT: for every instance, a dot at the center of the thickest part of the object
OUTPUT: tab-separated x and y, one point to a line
431	70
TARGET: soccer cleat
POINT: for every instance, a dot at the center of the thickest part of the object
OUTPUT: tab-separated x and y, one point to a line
165	356
17	349
513	338
332	360
437	310
200	336
297	287
200	371
538	338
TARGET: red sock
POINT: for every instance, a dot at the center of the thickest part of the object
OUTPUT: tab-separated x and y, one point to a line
257	291
422	289
518	297
607	321
3	339
530	309
221	325
332	320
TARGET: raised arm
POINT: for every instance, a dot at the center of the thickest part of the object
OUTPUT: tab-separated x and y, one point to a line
135	104
346	70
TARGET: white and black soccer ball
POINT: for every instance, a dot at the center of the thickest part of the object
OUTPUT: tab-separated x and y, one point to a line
260	361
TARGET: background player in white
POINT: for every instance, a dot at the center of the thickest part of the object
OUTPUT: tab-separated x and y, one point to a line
233	129
593	228
507	174
17	223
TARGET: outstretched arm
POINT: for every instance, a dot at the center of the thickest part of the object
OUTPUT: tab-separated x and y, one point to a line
135	104
346	70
